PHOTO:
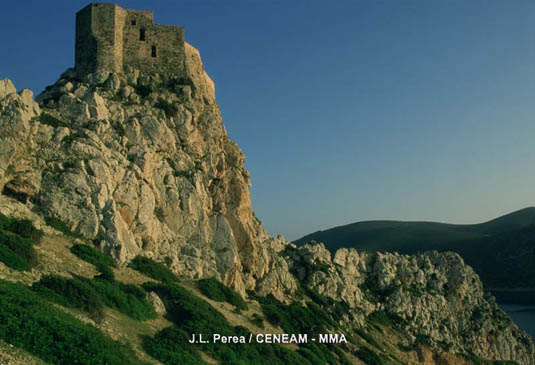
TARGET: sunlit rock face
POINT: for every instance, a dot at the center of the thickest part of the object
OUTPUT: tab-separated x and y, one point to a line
434	295
139	163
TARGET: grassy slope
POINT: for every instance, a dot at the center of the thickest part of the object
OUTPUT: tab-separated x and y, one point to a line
502	250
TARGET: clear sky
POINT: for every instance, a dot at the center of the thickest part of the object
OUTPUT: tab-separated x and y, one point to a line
346	110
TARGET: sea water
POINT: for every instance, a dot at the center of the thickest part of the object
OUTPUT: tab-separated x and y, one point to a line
523	315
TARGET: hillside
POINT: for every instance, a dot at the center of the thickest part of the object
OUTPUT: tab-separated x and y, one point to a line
140	314
502	251
61	286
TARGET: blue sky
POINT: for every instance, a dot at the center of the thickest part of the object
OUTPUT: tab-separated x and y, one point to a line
411	110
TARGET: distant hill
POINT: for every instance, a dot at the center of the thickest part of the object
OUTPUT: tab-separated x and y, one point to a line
502	250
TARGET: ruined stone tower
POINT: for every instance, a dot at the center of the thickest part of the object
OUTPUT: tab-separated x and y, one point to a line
109	37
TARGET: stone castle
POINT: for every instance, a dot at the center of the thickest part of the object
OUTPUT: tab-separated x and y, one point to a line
109	37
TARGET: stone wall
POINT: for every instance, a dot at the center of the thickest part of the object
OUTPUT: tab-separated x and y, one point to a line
109	37
86	43
168	43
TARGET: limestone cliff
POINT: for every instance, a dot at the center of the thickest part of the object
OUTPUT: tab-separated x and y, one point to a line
141	165
433	296
138	163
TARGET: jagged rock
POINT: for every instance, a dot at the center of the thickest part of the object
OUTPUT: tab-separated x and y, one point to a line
157	303
140	163
18	176
6	88
433	294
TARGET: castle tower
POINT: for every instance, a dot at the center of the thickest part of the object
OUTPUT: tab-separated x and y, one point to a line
109	37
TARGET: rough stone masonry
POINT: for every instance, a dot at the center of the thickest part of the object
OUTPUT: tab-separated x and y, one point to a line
109	37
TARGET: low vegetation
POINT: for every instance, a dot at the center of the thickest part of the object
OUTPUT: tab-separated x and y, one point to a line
153	269
215	290
295	318
17	238
92	255
367	337
126	298
102	262
61	226
381	317
71	293
312	319
190	315
368	356
92	295
29	322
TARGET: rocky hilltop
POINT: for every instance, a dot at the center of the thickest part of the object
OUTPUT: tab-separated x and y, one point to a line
140	165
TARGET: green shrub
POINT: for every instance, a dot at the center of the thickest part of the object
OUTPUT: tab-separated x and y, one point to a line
366	336
386	319
59	225
71	293
12	260
445	346
102	262
311	356
92	295
295	318
170	347
342	359
92	255
17	238
424	340
257	321
187	310
31	323
380	317
368	356
476	360
106	272
191	314
317	354
125	298
153	269
20	246
215	290
21	227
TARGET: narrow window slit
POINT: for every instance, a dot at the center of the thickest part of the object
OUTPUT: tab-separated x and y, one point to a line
154	51
142	34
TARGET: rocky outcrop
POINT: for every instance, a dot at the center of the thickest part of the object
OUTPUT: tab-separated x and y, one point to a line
434	295
141	165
